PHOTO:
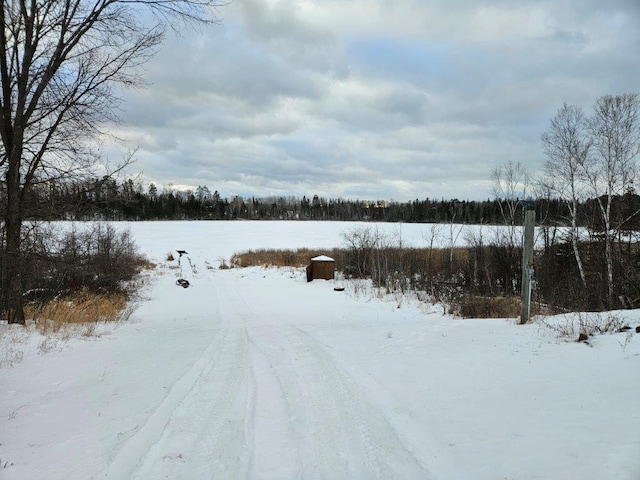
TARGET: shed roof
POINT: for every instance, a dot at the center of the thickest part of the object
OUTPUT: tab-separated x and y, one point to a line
322	258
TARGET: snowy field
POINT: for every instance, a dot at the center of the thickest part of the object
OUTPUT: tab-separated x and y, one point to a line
254	373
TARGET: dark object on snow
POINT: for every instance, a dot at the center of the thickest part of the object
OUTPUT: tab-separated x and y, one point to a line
180	252
338	289
182	282
625	328
638	329
322	267
583	337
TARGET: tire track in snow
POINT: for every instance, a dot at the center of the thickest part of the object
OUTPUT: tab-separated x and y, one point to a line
277	445
128	456
208	435
276	449
217	364
266	401
324	425
283	447
353	437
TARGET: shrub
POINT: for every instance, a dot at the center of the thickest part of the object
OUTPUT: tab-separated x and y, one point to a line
97	258
59	262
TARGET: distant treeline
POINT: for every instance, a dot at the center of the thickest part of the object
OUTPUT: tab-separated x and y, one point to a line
107	199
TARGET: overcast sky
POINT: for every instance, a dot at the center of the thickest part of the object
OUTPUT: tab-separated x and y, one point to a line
373	99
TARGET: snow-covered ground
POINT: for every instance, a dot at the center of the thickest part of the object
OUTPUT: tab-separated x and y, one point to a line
254	373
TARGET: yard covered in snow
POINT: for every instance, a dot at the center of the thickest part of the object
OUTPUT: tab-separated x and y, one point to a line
255	373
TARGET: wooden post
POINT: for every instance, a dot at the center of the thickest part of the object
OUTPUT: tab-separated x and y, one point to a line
527	260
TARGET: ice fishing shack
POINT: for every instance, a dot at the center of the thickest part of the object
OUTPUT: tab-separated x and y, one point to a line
321	267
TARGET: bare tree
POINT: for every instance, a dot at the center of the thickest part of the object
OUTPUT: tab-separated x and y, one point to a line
566	146
361	243
61	62
611	167
510	185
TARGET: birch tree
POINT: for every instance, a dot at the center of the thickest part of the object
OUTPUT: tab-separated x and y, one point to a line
566	146
61	64
611	166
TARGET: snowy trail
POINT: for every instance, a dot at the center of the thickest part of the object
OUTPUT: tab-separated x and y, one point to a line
264	401
338	432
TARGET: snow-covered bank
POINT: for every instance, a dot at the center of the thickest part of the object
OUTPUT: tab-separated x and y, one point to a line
254	373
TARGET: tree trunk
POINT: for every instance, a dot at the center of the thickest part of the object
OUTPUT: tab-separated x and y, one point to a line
576	254
608	255
13	252
574	243
609	260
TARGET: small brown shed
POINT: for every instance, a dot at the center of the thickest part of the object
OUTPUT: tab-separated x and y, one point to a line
321	267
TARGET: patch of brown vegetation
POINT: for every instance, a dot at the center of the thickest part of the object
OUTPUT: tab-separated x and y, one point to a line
81	307
474	306
280	257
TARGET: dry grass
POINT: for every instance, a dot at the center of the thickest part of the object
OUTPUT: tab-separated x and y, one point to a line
51	325
280	258
473	306
83	307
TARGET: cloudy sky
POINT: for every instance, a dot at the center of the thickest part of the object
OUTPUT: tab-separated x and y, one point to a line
373	99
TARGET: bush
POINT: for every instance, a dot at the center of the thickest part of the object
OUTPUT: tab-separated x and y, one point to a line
96	259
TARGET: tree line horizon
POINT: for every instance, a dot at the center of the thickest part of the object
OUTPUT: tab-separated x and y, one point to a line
110	200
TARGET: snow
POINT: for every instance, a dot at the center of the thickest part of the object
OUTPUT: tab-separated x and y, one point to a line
255	373
322	258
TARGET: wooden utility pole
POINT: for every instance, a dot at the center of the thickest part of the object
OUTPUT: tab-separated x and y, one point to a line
527	260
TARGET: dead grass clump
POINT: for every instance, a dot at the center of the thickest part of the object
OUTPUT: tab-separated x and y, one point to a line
473	306
80	307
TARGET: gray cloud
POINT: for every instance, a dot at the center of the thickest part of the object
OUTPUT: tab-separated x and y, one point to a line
373	99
